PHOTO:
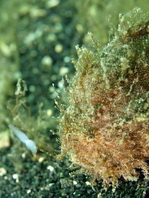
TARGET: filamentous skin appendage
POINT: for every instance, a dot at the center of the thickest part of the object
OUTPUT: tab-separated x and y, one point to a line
105	127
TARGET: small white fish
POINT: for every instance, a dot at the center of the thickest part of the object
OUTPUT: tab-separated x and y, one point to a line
23	138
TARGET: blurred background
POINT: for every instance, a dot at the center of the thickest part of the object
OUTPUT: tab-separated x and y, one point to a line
37	46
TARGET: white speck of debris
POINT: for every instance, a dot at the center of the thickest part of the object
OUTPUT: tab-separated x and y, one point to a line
41	159
88	183
58	48
49	112
4	139
67	59
75	182
2	171
23	155
60	84
23	138
63	71
15	177
47	60
28	191
50	168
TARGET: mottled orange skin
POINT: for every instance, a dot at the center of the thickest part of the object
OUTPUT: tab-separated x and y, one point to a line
108	150
105	128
